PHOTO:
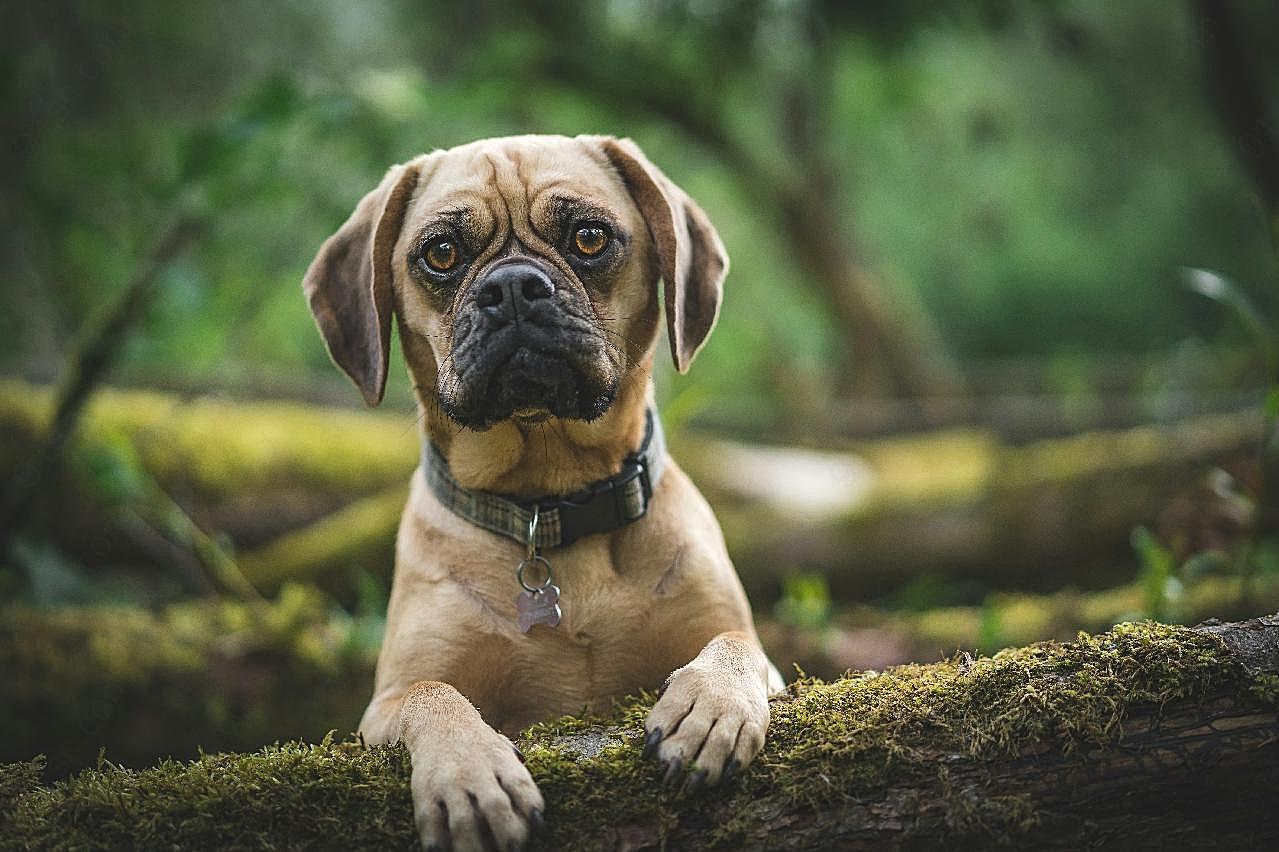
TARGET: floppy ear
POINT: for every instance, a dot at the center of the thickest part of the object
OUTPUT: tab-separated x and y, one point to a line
690	254
349	283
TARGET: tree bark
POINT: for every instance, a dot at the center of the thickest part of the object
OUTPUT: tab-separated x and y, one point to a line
1147	736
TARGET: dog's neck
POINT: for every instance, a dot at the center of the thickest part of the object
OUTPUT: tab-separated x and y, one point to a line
553	457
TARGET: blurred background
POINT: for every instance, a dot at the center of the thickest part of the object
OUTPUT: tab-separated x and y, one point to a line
997	360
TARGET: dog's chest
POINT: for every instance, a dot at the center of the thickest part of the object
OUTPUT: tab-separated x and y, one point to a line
632	611
604	647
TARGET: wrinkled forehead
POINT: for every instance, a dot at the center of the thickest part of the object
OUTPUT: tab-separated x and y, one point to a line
520	179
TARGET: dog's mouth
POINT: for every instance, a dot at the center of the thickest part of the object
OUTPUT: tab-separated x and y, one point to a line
528	380
531	415
525	346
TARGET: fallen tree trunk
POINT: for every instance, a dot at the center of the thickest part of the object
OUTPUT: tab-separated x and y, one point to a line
981	509
1141	737
315	494
861	636
202	674
226	676
250	469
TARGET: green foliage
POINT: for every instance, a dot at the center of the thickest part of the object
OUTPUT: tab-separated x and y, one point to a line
1261	331
1158	575
1031	175
992	634
805	602
51	578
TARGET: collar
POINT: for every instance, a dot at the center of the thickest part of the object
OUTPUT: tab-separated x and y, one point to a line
600	507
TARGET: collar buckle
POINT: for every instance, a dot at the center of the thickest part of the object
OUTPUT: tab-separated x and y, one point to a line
608	504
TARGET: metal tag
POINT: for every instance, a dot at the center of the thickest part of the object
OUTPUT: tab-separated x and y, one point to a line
540	606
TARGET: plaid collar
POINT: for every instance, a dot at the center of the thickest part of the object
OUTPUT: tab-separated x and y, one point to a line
600	507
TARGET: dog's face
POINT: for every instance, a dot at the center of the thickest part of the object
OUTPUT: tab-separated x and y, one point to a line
525	264
523	272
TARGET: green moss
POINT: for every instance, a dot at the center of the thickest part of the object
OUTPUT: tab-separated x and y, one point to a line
581	762
16	780
1265	688
295	795
218	448
854	737
940	468
1022	618
861	734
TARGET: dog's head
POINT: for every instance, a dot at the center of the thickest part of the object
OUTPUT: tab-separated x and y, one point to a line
523	272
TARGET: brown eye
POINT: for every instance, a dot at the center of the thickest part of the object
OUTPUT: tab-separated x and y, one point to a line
441	255
590	240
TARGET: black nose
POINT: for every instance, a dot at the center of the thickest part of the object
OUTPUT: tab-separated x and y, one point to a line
511	291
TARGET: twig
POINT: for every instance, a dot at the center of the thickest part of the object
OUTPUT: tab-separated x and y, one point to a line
86	367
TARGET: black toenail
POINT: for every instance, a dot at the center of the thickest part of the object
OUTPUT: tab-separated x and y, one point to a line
650	742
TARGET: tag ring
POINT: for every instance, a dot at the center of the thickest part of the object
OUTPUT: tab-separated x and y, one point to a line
532	534
536	560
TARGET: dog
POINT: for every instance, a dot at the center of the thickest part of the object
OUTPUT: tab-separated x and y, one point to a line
551	556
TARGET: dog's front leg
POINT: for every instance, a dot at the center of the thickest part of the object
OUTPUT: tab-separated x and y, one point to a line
713	712
470	787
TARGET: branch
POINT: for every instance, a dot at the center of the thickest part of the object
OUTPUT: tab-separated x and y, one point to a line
895	347
89	364
1140	737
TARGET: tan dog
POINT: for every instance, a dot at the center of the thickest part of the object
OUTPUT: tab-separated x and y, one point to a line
523	274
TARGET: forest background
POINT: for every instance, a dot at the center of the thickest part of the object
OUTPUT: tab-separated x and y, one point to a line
995	361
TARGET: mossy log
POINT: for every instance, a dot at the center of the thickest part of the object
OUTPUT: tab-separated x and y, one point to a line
218	449
211	674
959	503
359	536
964	504
224	675
859	636
288	483
1147	736
249	470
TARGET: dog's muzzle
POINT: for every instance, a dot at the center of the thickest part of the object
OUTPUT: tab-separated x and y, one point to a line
524	344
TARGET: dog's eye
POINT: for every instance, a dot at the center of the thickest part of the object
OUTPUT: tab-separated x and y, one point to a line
590	240
441	255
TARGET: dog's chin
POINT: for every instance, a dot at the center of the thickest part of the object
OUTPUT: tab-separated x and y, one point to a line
530	388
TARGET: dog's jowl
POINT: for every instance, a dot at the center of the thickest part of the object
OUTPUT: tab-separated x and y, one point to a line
551	555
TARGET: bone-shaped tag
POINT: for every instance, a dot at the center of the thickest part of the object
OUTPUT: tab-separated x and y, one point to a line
540	607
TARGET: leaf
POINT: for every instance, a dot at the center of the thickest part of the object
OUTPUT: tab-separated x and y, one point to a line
1221	290
52	578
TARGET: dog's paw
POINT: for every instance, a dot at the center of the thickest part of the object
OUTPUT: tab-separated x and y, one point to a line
711	717
471	791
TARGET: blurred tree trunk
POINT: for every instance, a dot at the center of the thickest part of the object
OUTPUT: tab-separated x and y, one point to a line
1242	100
893	347
1243	103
